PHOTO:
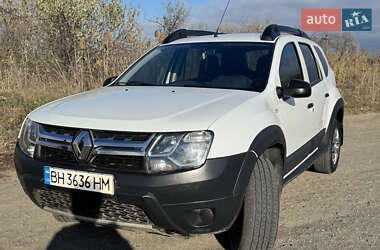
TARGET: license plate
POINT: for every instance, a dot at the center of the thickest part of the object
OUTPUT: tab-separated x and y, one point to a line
101	183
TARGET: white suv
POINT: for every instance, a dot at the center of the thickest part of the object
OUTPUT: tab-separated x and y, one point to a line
198	136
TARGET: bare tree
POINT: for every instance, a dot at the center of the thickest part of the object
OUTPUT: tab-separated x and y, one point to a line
245	27
174	18
342	43
64	33
15	30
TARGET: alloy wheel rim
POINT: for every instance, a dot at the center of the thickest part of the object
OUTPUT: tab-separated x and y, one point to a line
335	149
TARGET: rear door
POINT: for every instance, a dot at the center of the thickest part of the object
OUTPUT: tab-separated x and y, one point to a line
326	81
317	81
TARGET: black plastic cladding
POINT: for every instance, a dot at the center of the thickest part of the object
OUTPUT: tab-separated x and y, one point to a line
267	138
166	199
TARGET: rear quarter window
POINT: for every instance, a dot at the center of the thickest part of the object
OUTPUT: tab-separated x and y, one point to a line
323	60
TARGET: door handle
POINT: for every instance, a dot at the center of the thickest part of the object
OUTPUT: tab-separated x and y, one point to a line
310	105
327	95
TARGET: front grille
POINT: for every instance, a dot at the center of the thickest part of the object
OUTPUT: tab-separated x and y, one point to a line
92	205
130	163
121	136
56	155
59	130
121	151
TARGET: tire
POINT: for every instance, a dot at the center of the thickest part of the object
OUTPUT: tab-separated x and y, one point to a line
257	224
327	163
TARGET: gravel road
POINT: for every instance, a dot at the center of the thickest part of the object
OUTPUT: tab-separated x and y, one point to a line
338	211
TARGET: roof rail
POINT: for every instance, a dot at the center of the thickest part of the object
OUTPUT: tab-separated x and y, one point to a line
183	33
273	31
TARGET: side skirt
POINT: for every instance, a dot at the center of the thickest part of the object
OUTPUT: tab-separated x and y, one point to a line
302	167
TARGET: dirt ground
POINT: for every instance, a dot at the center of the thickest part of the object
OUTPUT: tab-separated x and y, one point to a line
338	211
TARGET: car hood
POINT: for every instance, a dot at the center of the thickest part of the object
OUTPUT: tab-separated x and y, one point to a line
142	108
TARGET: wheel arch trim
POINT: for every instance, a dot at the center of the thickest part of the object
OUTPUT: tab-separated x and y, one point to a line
269	137
338	107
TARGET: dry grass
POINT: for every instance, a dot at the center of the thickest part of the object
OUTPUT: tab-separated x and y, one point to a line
357	78
22	90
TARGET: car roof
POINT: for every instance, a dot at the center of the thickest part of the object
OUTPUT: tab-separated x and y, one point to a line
239	37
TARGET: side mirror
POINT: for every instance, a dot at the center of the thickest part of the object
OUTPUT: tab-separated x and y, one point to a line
297	89
109	80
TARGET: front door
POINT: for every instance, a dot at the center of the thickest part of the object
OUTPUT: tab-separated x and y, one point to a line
296	114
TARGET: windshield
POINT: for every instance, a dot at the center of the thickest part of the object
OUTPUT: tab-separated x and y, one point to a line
208	65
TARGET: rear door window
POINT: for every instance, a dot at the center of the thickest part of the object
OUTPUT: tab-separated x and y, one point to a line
311	64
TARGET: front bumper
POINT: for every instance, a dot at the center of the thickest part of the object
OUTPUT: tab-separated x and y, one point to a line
172	202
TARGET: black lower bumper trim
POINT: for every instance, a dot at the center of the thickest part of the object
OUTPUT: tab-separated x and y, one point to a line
170	201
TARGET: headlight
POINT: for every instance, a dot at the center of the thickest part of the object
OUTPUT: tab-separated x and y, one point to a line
178	151
28	137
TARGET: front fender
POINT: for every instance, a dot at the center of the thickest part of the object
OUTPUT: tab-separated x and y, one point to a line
236	129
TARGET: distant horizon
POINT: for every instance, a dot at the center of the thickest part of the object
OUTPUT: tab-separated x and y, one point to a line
209	12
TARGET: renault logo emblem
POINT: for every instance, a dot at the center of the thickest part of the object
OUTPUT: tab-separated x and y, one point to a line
82	145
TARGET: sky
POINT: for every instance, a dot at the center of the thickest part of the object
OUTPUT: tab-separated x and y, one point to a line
286	12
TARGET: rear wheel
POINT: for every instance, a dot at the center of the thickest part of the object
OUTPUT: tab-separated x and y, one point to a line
256	225
328	161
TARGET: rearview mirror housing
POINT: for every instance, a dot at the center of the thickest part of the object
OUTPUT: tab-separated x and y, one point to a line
109	80
297	89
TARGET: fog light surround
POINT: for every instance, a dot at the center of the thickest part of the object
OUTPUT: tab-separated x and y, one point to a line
201	217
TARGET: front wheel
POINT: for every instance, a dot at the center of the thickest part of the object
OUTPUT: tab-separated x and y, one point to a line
257	223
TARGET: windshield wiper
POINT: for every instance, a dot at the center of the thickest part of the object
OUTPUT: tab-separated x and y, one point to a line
133	83
195	86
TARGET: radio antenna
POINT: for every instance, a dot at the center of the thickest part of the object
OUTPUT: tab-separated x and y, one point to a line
221	20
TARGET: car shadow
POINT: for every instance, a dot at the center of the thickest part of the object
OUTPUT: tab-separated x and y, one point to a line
88	236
